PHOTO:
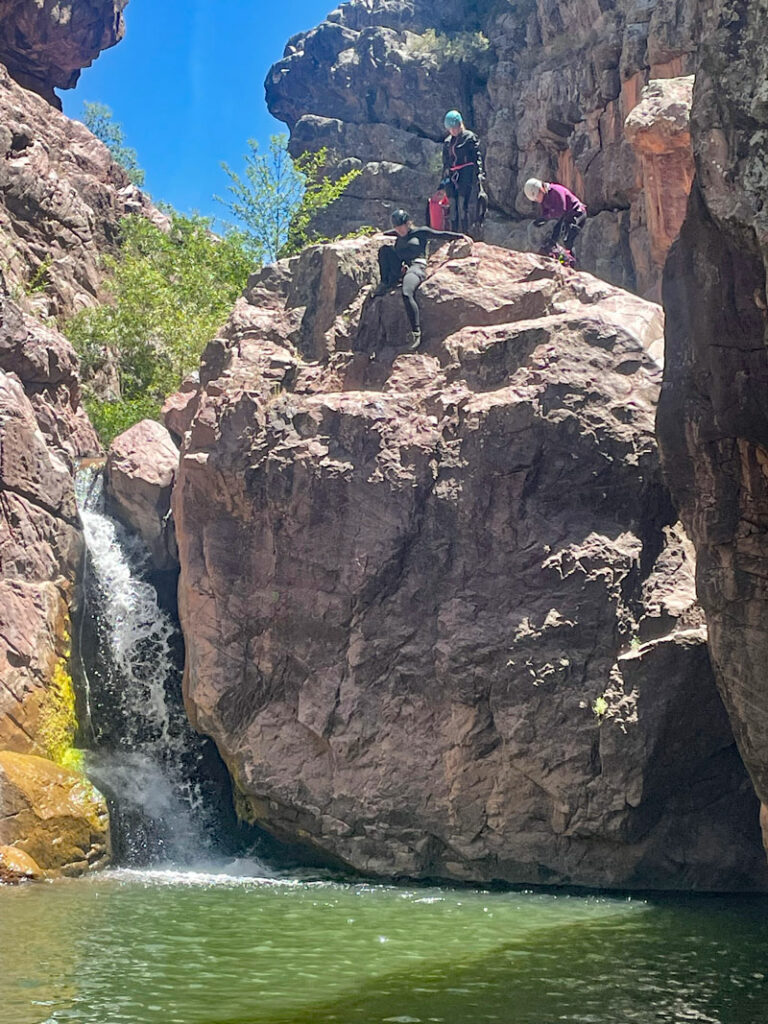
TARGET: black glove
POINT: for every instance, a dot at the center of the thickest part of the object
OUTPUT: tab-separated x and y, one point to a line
444	184
540	222
482	204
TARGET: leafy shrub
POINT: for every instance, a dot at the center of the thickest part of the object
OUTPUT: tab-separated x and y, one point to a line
456	47
279	197
170	294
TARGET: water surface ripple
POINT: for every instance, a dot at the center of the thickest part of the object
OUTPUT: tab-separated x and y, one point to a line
167	947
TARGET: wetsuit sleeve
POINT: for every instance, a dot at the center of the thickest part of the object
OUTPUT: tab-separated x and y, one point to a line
427	233
480	165
390	234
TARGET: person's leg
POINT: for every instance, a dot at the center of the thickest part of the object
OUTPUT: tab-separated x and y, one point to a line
557	234
390	265
453	196
572	230
413	278
465	194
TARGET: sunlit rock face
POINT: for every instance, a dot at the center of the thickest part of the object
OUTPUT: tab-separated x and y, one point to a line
439	616
61	201
45	43
52	821
547	86
141	469
43	429
713	416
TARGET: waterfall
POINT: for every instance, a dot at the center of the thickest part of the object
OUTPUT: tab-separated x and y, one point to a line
145	758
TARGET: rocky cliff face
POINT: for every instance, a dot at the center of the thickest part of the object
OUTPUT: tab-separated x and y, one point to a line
547	86
713	417
439	617
42	429
45	43
61	200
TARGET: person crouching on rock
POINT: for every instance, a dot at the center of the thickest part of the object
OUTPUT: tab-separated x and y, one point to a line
560	204
406	261
462	164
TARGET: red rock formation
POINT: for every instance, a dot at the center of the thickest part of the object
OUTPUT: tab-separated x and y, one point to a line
61	201
713	416
439	619
45	43
42	429
658	128
141	469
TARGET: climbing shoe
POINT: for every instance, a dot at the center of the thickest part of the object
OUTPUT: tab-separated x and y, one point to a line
413	340
381	289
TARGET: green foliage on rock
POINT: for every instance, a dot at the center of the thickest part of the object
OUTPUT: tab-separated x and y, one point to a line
97	117
171	292
58	723
457	47
278	199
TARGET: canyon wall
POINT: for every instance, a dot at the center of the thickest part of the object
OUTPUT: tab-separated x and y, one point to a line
713	415
547	86
439	616
61	201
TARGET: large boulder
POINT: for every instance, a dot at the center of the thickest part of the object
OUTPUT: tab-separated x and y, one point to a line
547	86
52	821
141	469
713	416
439	617
45	43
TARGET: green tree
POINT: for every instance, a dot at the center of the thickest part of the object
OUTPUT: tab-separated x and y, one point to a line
278	198
97	117
171	292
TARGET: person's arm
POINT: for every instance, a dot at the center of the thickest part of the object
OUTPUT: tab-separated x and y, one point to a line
445	180
390	234
434	233
480	165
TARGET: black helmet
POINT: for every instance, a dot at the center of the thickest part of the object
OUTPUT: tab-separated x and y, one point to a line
400	217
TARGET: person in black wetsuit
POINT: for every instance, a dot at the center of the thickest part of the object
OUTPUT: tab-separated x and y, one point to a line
462	164
406	261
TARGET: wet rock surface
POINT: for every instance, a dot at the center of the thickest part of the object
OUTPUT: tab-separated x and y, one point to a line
713	415
547	87
439	617
52	821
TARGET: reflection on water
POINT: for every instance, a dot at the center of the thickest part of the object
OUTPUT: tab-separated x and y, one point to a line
134	947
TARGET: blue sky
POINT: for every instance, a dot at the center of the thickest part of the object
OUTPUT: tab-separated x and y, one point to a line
186	84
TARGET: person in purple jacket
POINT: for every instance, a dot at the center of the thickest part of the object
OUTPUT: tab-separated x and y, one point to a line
560	204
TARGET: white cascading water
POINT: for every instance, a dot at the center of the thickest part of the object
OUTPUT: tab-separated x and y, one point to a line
146	754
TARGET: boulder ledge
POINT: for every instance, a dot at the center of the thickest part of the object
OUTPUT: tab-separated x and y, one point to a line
439	615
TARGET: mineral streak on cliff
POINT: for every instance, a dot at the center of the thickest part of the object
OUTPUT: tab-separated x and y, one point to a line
547	85
45	43
713	415
439	617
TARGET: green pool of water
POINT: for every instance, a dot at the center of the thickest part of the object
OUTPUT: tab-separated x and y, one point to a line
195	948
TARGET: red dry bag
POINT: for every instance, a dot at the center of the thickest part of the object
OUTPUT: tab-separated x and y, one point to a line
438	212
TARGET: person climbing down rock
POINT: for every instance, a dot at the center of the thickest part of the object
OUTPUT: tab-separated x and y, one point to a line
462	165
406	262
560	204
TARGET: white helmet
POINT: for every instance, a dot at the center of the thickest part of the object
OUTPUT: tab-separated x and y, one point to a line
532	187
